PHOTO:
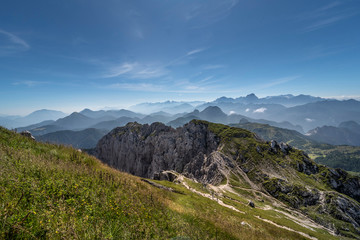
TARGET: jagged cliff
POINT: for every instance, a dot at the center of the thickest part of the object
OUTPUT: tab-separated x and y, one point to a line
147	150
217	154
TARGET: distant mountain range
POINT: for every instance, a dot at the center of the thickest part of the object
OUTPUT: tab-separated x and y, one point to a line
83	129
327	121
315	112
216	115
32	118
84	139
288	100
172	107
312	115
348	133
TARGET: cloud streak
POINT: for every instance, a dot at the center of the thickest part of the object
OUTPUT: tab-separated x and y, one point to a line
202	14
326	22
279	81
14	42
260	110
326	16
143	87
29	83
136	70
211	67
195	51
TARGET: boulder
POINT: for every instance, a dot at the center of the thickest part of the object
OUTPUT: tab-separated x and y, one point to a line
27	134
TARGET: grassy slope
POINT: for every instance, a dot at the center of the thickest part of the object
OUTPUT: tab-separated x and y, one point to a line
49	191
345	157
241	142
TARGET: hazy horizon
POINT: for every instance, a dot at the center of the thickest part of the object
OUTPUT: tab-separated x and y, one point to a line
128	107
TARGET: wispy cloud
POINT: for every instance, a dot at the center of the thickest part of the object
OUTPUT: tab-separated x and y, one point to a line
278	81
12	43
246	88
195	51
207	84
143	87
136	70
323	51
345	97
138	33
326	22
202	14
260	110
120	70
210	67
329	6
325	16
29	83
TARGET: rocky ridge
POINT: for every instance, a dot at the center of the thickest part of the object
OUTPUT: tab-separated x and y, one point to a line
217	154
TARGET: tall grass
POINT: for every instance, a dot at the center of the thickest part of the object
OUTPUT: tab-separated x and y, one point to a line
55	192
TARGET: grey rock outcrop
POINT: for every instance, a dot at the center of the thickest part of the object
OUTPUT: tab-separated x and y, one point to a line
27	134
147	150
295	195
341	181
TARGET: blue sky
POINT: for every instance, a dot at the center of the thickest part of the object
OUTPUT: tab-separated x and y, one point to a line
68	55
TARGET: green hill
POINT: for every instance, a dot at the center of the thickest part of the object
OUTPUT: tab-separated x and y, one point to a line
345	157
56	192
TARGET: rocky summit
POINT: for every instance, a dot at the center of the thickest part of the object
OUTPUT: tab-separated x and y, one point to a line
230	160
148	150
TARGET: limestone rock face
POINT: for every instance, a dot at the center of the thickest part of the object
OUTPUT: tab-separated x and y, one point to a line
209	153
340	180
147	150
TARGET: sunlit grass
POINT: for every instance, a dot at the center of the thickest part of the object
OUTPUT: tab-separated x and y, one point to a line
55	192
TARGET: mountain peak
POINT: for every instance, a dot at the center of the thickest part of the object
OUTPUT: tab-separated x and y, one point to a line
213	109
251	96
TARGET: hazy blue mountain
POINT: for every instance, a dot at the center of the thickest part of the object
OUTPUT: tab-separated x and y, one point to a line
156	118
348	133
33	118
351	125
84	139
162	113
180	121
285	124
75	121
37	125
251	110
216	115
312	115
171	107
108	125
41	130
44	114
110	113
288	100
213	114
